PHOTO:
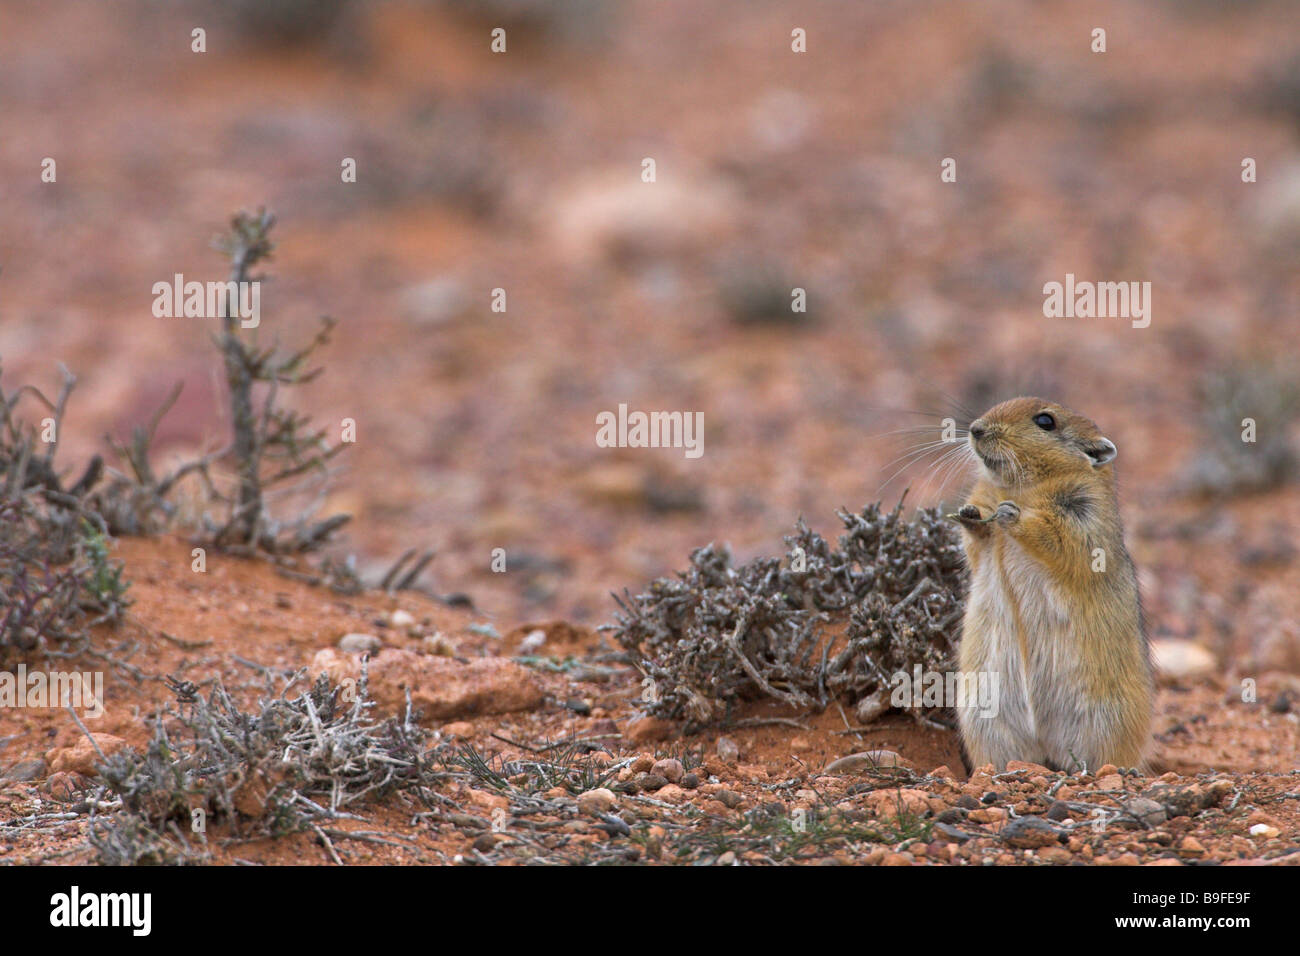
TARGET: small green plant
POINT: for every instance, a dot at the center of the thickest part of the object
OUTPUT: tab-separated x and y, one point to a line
104	584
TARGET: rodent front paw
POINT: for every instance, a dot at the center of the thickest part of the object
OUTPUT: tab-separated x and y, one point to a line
967	514
1008	512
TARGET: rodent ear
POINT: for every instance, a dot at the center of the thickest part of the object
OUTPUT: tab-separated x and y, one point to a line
1101	452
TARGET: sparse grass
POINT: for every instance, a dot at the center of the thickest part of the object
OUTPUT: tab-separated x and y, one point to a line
56	577
757	291
286	22
284	767
1268	394
565	764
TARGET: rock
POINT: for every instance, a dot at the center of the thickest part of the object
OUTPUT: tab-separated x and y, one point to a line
532	642
1184	800
1032	768
487	842
947	831
1029	833
651	781
1264	830
728	751
25	771
872	707
670	769
646	730
726	859
690	781
714	767
81	757
612	213
896	859
489	801
403	620
360	643
1275	209
1054	854
868	760
1218	790
598	801
441	688
1191	846
729	799
619	484
1145	812
65	786
670	793
1179	660
643	763
888	804
1060	810
435	301
439	645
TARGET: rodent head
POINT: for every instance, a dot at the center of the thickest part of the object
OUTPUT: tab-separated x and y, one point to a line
1023	440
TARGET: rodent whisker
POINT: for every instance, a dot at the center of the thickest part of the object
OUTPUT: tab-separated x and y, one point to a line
949	466
916	451
961	432
1018	470
933	467
912	457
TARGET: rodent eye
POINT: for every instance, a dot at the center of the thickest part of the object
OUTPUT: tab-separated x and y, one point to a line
1045	421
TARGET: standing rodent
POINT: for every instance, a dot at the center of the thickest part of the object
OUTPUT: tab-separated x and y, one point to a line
1053	609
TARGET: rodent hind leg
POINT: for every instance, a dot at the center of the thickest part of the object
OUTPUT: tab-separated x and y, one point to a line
995	741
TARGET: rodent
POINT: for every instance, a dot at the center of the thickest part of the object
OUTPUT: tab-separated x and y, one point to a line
1053	608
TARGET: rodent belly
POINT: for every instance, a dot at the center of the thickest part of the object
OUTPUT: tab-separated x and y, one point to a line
991	651
1023	635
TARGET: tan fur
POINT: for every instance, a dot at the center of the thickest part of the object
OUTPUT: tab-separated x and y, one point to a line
1065	641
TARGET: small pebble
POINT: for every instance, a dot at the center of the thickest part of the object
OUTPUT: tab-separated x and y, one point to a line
360	643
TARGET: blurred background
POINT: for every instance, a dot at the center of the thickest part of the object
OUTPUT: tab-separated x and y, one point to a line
775	170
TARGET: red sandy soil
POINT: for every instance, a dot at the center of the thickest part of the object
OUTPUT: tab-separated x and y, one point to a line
242	614
477	428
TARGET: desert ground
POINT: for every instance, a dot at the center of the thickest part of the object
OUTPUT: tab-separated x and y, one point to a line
528	738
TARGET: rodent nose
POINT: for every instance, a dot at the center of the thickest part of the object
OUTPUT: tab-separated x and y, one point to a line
977	429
